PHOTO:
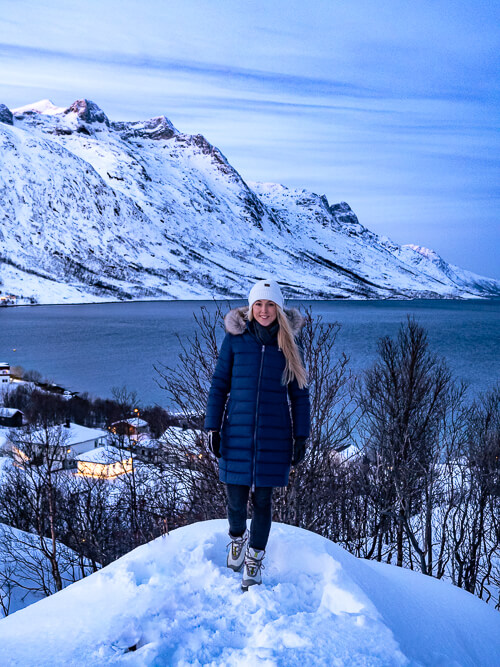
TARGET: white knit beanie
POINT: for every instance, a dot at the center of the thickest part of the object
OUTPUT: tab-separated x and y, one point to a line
266	289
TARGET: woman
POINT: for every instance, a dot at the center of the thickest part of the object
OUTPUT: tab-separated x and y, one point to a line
258	417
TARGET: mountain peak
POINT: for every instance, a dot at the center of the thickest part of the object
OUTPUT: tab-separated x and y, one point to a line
156	128
88	111
46	107
343	213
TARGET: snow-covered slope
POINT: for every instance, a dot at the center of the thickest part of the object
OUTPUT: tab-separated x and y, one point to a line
176	603
25	571
96	210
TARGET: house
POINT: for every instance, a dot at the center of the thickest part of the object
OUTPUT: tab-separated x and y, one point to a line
131	428
68	440
78	439
146	449
11	417
104	462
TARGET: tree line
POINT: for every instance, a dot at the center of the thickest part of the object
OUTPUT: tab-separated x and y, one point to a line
401	467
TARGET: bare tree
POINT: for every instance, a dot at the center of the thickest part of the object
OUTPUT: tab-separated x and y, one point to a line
26	570
477	534
39	454
311	498
187	385
404	397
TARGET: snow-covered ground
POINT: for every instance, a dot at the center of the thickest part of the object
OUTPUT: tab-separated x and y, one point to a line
25	571
176	602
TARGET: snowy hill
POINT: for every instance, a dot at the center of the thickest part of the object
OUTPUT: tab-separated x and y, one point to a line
94	210
176	603
25	572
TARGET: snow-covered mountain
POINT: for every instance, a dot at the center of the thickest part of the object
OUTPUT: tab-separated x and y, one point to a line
174	602
93	210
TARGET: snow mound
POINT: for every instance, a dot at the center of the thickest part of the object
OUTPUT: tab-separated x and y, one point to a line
173	602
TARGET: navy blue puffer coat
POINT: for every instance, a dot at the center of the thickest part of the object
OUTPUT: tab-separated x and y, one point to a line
257	415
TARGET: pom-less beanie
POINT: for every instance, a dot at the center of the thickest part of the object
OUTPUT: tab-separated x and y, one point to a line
266	289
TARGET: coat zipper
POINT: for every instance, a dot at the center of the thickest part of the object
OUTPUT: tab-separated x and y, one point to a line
254	472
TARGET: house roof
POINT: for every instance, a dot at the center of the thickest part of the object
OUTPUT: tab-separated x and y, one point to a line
73	434
78	433
147	443
106	455
137	422
9	412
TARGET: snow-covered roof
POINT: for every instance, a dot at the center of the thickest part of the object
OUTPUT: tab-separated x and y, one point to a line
70	436
105	455
78	433
137	422
147	443
9	412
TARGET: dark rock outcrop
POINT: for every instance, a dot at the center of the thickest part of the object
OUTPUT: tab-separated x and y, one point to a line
6	115
88	111
155	128
344	214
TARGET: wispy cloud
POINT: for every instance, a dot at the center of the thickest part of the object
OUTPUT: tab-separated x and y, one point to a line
227	74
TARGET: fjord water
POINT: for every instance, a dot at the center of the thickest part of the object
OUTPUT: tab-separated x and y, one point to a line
96	347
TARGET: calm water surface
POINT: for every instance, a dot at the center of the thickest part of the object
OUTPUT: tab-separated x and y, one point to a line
96	347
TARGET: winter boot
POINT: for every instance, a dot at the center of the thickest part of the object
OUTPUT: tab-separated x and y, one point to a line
253	566
236	553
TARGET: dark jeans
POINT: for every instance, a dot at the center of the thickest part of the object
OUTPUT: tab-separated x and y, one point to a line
237	499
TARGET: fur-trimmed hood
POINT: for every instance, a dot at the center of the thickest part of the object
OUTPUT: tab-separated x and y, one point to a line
236	321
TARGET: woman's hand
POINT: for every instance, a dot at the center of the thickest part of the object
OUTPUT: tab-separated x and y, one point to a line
299	450
214	441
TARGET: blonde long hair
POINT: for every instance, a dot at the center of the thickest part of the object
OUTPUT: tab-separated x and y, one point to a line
294	367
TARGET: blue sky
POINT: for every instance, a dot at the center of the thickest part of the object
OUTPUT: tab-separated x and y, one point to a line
392	106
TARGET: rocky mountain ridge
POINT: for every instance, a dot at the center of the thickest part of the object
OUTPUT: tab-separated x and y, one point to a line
96	210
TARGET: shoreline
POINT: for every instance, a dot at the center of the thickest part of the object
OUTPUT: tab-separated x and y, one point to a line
231	299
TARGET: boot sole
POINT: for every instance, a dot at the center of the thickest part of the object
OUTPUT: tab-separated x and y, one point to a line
245	588
235	568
